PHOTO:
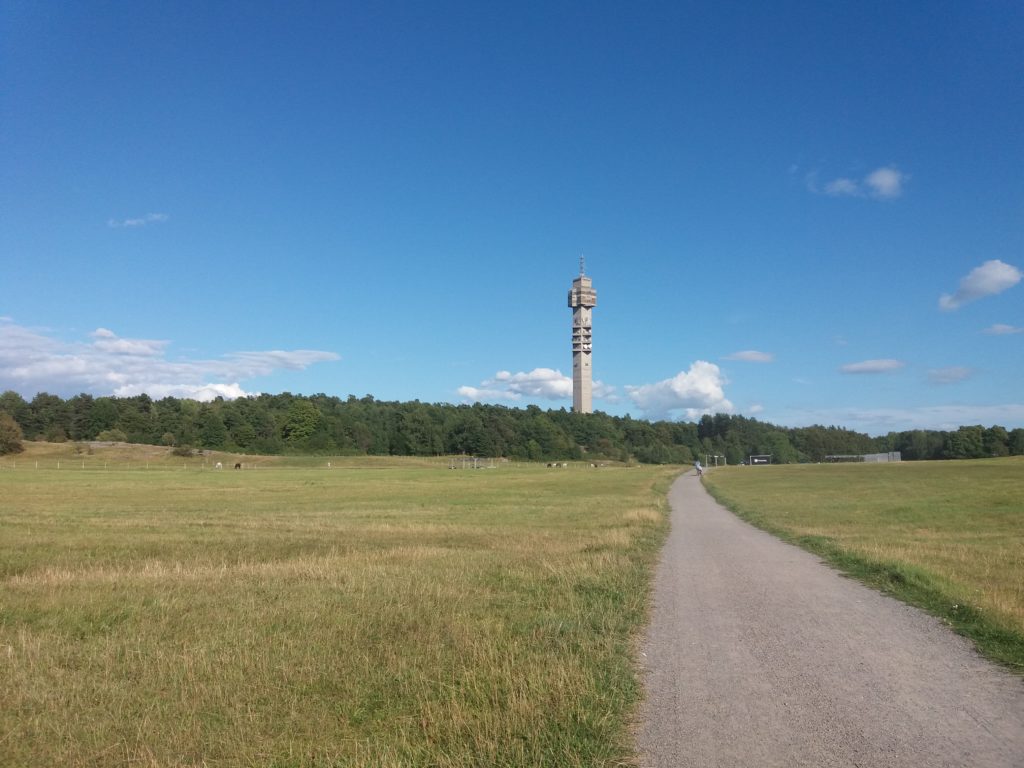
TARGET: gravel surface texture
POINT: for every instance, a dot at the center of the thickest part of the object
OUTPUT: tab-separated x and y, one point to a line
760	655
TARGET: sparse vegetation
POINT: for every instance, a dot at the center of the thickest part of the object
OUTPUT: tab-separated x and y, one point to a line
946	536
383	612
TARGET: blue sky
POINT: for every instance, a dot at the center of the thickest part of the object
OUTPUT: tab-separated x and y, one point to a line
811	212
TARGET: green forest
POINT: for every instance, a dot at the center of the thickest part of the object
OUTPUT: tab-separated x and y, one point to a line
327	425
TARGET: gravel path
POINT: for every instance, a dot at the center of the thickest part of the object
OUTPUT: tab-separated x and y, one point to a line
759	655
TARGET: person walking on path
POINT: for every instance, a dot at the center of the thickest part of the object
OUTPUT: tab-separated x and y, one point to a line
759	655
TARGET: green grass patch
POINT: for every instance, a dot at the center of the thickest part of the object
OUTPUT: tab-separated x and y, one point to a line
947	537
399	614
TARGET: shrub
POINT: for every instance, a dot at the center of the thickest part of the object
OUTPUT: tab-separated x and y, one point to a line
10	435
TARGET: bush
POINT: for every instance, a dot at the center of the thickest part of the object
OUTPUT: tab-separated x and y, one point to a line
10	435
182	450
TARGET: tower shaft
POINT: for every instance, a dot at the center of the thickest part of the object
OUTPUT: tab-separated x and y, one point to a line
582	300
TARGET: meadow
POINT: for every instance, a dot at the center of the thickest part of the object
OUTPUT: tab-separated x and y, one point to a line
157	612
947	536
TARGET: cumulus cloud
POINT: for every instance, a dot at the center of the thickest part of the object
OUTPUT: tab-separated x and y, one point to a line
992	277
883	183
483	394
538	384
1001	329
33	361
691	393
949	375
142	221
873	366
204	393
752	356
544	383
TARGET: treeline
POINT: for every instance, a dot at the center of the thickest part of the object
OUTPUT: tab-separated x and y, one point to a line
320	424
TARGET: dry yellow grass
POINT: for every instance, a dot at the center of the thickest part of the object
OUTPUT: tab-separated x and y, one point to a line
298	617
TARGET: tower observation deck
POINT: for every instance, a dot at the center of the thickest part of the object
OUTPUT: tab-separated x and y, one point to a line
582	299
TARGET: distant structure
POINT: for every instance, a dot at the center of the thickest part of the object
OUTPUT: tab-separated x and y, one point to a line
582	299
867	458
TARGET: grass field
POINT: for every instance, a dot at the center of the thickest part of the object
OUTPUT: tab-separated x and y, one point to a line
379	613
946	536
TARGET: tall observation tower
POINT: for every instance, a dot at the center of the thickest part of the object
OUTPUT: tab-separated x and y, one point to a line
582	299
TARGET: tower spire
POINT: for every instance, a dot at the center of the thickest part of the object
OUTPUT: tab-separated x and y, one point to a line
581	265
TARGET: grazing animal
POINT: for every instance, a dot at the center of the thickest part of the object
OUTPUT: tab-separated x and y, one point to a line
219	465
238	466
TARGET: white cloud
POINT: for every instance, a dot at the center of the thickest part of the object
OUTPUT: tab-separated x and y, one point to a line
540	383
752	356
949	375
149	218
841	187
33	361
201	392
248	364
883	183
1001	329
484	394
691	393
873	366
108	341
606	392
545	383
992	277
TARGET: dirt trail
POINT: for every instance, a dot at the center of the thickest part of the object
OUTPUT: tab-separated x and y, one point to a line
759	655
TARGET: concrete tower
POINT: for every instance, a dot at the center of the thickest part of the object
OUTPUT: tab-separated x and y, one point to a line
582	299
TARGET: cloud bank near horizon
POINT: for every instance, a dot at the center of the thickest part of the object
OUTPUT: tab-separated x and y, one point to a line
107	364
540	383
691	393
881	421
